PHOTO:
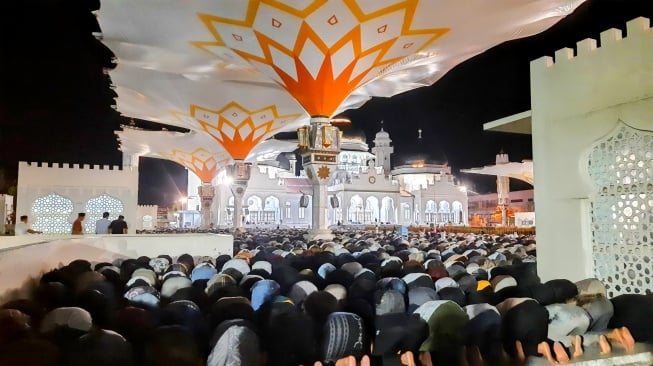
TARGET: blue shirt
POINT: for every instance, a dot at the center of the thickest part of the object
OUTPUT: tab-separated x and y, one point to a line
102	226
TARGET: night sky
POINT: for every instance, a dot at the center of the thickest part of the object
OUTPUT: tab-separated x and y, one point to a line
55	101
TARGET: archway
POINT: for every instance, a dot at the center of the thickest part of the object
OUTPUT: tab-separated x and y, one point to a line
356	210
51	214
270	213
254	208
387	210
457	208
431	212
98	205
445	212
371	210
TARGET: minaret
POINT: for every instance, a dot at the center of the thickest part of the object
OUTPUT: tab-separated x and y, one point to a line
503	188
382	150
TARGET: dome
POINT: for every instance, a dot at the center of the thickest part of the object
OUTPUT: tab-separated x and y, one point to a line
382	135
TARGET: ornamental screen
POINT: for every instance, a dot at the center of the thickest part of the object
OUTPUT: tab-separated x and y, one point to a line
621	168
98	205
52	214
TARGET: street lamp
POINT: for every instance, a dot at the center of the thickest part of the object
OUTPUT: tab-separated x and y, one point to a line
183	201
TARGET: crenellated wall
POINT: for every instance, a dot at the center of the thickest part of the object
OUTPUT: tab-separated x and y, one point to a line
578	99
142	213
77	183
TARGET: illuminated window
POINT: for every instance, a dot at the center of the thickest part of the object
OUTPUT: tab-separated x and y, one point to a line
51	214
302	212
98	205
621	168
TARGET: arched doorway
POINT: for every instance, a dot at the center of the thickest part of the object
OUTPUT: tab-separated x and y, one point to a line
445	212
457	208
387	210
270	213
356	210
431	212
371	210
254	210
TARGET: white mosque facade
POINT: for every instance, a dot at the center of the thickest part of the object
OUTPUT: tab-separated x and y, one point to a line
365	189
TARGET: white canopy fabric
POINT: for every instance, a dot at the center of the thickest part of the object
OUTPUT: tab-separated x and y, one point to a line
522	171
321	52
195	151
269	150
242	70
236	115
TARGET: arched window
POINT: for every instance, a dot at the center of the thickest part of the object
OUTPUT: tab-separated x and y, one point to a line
52	213
621	168
457	208
96	206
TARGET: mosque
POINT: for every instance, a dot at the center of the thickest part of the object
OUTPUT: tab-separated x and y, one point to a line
592	161
368	187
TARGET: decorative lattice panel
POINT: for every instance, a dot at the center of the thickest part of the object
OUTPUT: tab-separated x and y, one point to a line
98	205
51	214
621	167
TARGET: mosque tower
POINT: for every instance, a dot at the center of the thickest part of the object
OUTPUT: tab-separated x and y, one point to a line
382	150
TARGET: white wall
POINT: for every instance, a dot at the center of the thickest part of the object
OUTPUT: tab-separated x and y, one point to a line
142	211
23	259
575	102
79	184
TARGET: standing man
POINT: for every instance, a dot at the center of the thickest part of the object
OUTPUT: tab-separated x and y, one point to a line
78	228
22	228
102	225
118	226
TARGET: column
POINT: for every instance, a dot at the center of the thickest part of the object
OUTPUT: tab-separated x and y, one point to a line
239	173
238	190
319	145
206	192
503	189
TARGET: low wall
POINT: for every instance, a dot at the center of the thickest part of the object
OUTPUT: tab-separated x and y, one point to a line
24	259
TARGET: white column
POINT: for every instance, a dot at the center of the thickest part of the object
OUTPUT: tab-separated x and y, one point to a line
207	193
319	146
238	190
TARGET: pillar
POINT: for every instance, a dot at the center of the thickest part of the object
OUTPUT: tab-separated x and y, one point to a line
319	145
239	173
503	189
206	192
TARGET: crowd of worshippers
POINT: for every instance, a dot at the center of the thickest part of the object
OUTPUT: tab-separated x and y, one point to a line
362	299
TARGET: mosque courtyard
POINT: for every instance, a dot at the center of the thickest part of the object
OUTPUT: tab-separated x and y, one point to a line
306	228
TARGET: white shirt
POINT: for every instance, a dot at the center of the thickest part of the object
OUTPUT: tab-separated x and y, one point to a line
21	228
102	226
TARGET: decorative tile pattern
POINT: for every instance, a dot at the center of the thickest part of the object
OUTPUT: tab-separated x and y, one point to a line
621	167
51	214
